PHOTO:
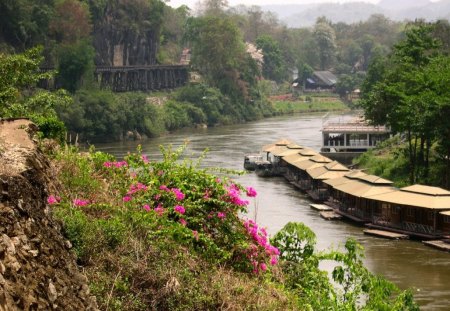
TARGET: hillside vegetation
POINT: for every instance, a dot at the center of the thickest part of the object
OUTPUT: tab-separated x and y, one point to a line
169	236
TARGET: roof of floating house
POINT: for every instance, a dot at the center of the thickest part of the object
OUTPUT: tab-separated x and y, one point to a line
298	157
288	150
355	125
375	180
281	142
417	196
329	171
314	161
350	176
359	188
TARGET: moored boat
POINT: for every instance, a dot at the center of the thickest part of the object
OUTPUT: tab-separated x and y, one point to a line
250	161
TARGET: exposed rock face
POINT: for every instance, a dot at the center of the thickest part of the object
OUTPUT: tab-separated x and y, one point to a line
127	34
37	271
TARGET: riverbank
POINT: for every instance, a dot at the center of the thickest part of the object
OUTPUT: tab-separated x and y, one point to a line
287	104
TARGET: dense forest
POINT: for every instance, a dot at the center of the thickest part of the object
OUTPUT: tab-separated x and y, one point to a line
75	36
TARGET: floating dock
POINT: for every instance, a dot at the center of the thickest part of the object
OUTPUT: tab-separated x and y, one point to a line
386	234
330	215
439	244
320	207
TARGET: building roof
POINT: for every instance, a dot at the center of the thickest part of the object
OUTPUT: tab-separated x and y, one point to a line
363	189
426	190
326	77
354	127
281	142
348	177
446	213
315	161
308	152
323	173
375	180
408	198
336	166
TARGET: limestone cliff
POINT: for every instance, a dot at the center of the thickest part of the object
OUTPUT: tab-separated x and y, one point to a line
37	270
126	33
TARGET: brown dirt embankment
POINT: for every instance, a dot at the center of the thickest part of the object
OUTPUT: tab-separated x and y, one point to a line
37	270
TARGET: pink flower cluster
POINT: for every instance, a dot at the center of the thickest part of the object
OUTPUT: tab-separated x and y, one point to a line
80	202
53	200
178	194
251	192
145	159
233	196
179	209
136	187
259	236
115	164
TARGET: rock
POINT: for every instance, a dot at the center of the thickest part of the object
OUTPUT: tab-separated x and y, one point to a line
32	248
52	293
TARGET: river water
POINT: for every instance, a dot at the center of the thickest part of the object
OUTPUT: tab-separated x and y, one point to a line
408	264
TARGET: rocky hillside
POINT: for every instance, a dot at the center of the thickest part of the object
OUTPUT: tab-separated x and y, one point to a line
37	270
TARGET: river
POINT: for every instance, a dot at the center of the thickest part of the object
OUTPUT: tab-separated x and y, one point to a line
408	264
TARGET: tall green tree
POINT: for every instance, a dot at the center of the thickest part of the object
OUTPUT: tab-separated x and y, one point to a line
273	66
400	98
326	43
218	52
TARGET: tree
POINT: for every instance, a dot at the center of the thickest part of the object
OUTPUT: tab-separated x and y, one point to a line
273	66
76	62
218	52
71	22
326	42
19	97
401	96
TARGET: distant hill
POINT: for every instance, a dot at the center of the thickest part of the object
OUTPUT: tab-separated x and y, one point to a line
305	15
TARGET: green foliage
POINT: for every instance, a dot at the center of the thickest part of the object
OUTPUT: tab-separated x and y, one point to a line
273	66
351	287
19	74
400	92
76	63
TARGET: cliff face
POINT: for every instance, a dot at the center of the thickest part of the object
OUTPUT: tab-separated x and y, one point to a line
127	34
37	270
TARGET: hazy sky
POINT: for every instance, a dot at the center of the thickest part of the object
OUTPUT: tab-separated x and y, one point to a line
191	3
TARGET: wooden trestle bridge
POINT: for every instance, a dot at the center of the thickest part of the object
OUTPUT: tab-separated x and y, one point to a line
136	78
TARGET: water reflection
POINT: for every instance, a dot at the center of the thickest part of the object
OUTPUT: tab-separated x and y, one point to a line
407	263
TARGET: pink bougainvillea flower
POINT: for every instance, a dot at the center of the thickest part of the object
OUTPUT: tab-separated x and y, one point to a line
179	209
263	266
164	188
107	164
178	194
52	200
159	210
221	215
145	158
126	198
273	261
80	202
146	207
137	187
195	234
183	221
251	192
